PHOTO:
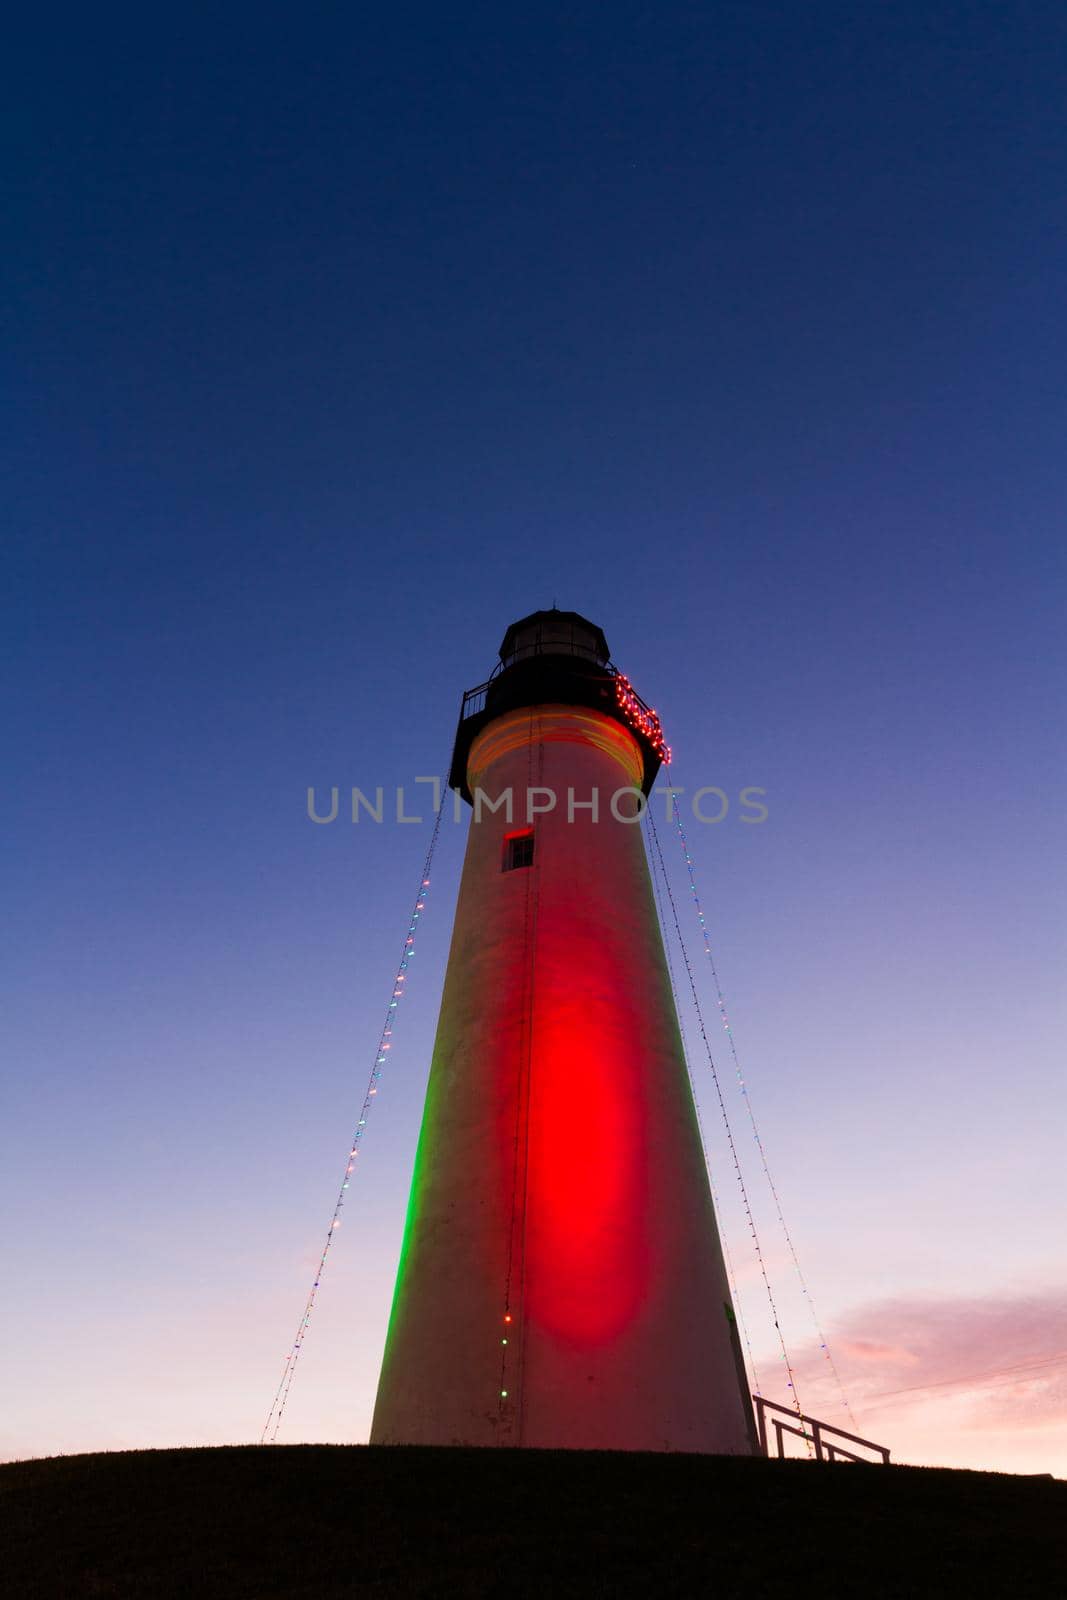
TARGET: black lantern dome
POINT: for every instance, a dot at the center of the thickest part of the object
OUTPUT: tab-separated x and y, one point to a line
556	658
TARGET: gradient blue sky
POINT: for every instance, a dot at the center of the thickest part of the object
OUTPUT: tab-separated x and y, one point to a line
338	340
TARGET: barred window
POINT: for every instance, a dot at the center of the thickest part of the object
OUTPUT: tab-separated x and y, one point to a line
518	850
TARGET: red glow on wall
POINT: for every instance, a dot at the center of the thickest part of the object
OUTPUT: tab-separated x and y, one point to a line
586	1244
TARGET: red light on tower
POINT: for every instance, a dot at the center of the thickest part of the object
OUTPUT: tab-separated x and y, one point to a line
559	1170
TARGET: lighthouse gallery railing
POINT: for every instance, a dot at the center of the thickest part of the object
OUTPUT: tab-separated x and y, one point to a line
474	699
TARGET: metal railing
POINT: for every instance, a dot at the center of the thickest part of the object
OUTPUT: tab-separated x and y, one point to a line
826	1449
474	699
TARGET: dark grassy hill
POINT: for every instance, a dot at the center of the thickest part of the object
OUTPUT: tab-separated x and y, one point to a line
326	1521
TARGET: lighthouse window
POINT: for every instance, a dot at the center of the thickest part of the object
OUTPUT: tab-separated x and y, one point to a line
518	850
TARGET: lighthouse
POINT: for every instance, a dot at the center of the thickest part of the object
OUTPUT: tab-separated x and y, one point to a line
561	1280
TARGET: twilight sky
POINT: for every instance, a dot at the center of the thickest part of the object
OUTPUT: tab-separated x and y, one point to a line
338	339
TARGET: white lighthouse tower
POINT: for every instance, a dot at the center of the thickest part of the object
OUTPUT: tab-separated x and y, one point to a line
561	1280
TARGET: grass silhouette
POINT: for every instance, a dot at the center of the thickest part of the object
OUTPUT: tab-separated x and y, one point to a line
332	1520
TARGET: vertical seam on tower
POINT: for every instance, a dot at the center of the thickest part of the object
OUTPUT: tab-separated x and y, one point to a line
512	1390
535	899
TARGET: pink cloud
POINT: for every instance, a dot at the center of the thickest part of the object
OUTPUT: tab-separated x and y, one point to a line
953	1367
871	1350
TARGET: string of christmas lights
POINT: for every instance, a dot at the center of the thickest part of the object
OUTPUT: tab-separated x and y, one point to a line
728	1030
731	1275
640	716
281	1396
790	1376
